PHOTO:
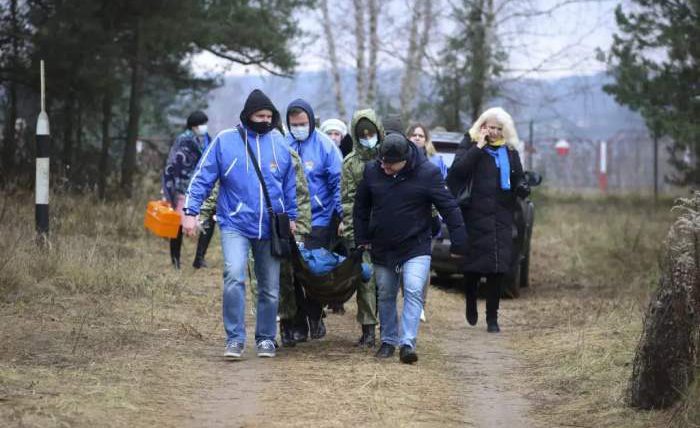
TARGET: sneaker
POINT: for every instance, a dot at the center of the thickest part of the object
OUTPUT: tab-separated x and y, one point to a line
266	348
407	355
234	350
492	326
422	315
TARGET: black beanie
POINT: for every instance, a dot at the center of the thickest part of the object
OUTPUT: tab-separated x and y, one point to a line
196	118
393	123
257	100
395	148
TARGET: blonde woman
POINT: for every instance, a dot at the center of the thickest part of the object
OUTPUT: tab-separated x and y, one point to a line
487	161
420	136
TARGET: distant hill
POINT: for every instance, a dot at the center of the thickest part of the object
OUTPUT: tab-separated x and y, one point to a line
569	107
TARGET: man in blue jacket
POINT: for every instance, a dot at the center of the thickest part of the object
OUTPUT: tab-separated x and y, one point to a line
243	218
322	163
392	218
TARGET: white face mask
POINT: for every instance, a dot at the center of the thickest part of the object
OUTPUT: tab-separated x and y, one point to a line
201	129
369	142
301	133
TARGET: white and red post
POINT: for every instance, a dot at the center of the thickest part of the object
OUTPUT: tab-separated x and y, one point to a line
603	167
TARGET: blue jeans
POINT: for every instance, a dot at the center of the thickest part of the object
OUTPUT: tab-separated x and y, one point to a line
414	274
267	269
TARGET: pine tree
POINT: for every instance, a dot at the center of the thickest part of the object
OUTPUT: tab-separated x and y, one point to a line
655	62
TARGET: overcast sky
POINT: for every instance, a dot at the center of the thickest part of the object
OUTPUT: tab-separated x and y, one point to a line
561	42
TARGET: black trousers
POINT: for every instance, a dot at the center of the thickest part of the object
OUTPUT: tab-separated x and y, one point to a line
202	243
175	246
494	282
320	237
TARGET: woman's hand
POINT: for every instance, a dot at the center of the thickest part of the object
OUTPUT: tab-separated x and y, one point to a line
483	133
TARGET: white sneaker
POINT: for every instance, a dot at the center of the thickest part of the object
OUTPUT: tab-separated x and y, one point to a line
422	315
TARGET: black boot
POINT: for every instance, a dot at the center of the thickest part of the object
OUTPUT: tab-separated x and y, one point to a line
385	351
175	246
407	355
287	333
472	314
368	337
301	330
493	297
317	328
203	244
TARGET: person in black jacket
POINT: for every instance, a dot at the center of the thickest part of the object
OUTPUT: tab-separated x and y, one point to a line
392	217
487	162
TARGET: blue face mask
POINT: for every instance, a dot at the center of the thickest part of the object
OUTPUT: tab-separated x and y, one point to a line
370	142
300	133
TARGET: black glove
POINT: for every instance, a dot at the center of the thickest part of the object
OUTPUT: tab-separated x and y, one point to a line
435	226
522	190
460	250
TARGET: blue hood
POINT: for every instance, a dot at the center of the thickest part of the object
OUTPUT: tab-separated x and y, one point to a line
299	103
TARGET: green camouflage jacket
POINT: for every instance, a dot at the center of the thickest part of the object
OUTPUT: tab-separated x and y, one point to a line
353	167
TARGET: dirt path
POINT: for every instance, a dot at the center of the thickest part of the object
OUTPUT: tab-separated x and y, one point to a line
486	367
462	379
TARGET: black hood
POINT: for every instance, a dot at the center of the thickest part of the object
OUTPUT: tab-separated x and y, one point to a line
257	100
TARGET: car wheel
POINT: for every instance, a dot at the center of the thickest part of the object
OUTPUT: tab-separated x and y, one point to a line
511	286
525	272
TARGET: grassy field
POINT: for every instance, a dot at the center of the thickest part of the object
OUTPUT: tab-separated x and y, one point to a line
595	263
99	330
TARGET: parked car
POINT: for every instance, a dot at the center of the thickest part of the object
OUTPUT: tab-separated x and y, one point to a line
445	266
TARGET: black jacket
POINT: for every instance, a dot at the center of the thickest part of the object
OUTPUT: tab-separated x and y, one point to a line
489	217
393	213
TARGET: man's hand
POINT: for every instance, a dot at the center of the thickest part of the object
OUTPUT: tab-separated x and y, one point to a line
293	226
189	225
341	228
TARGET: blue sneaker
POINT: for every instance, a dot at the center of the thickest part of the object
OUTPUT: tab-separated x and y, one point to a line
266	348
234	350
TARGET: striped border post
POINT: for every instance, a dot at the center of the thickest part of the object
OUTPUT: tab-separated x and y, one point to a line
43	147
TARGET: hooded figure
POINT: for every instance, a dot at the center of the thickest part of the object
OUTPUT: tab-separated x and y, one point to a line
367	134
243	215
322	164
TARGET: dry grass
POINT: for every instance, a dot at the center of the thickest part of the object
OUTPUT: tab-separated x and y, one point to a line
93	326
99	331
595	263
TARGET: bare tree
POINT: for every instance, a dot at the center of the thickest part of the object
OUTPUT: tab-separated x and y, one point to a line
333	58
417	45
373	8
360	52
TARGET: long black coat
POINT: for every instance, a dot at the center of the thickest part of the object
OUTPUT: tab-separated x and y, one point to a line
394	213
489	217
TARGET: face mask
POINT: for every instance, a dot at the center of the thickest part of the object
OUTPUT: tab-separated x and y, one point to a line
301	133
369	142
260	127
201	129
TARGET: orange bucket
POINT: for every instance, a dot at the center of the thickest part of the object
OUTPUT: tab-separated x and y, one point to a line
161	219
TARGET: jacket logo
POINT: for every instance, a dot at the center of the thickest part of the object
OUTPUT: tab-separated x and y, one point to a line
309	165
273	166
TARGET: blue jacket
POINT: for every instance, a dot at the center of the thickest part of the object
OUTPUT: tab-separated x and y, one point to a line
241	206
440	163
322	165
